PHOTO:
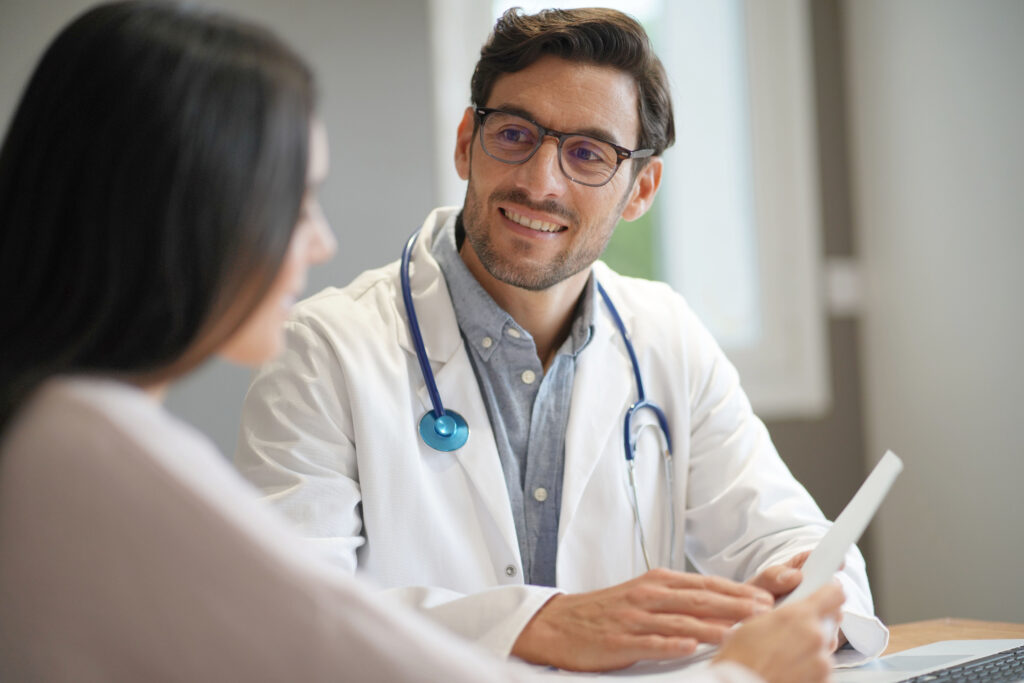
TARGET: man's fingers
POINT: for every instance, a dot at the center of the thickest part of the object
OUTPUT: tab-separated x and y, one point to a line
653	646
717	584
681	626
706	604
798	560
778	580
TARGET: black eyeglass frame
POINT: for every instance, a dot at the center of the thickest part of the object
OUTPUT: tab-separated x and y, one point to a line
621	153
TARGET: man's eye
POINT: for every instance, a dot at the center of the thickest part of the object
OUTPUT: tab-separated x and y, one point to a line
586	152
514	135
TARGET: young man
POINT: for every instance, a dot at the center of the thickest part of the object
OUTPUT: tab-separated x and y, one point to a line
531	537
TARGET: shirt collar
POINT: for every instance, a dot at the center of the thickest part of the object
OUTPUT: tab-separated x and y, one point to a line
480	317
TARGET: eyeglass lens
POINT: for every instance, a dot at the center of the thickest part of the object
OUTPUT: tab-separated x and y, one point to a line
513	139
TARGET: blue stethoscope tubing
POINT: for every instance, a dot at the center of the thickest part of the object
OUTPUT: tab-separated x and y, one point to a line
629	439
446	430
442	430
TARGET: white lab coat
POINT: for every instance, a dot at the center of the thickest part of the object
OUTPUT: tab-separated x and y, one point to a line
330	435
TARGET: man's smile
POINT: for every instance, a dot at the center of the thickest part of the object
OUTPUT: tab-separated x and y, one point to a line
532	223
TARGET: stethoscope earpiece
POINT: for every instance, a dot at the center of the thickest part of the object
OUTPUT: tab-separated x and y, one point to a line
446	433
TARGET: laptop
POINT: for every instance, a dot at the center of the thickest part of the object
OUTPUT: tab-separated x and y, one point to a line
926	661
930	662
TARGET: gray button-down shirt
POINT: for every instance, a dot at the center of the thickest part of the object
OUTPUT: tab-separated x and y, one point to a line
528	408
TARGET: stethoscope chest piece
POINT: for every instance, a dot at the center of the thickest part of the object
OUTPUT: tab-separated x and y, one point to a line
446	433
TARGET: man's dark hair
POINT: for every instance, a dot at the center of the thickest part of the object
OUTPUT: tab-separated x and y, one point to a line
150	181
598	36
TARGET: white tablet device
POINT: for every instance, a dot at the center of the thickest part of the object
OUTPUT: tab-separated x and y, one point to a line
827	557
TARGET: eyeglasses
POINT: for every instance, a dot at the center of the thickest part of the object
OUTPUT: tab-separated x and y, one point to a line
512	139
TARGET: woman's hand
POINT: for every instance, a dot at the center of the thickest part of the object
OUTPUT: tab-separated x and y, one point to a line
791	644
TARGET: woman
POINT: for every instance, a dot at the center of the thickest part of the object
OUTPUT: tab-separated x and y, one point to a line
157	206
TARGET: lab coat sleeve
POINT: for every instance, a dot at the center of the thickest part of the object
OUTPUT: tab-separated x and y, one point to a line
297	446
747	512
493	619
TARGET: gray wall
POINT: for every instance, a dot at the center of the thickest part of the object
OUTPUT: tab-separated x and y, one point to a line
919	107
373	61
936	102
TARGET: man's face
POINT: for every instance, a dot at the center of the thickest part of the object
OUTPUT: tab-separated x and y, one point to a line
502	200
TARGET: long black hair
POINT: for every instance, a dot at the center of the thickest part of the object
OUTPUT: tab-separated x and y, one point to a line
149	181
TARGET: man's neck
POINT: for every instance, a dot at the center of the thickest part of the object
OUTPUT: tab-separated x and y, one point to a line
546	314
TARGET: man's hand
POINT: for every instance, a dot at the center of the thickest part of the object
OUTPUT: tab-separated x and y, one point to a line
782	579
789	645
660	615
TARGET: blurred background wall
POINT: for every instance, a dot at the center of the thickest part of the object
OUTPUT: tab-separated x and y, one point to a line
936	104
919	106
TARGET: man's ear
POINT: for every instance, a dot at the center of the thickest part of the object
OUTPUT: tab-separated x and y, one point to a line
464	142
644	188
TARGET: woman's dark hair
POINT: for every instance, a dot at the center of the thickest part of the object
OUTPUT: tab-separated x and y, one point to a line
149	181
599	36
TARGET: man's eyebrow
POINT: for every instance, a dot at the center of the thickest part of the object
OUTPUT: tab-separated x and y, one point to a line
594	132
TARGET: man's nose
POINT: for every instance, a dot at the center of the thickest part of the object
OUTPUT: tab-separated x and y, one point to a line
541	175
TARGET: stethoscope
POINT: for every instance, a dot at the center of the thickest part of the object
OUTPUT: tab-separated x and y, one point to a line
446	430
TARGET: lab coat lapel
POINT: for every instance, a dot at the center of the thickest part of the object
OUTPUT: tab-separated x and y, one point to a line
438	326
602	389
456	381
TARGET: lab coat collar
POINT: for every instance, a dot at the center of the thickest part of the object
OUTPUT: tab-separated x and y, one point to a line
438	325
604	324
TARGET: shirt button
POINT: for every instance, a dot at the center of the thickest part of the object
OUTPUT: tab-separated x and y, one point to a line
513	332
510	570
486	342
540	494
528	376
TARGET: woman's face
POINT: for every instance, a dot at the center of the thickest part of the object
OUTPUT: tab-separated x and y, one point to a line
260	337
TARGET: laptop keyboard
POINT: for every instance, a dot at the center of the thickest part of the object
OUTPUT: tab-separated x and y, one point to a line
1002	667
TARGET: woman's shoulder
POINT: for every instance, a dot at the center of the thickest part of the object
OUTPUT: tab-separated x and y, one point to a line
88	426
82	445
80	409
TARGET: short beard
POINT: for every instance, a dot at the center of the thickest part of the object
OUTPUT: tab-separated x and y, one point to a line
504	267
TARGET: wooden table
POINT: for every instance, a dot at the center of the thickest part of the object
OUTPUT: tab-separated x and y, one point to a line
913	634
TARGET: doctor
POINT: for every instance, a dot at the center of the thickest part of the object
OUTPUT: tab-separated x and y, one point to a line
534	537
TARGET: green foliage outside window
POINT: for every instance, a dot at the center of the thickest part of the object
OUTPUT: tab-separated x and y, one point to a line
632	247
